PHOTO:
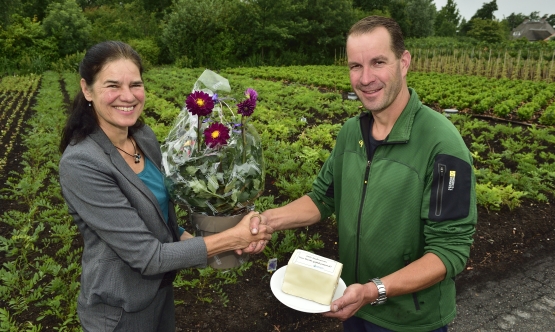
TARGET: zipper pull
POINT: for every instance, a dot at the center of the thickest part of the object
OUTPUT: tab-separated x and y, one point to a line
367	170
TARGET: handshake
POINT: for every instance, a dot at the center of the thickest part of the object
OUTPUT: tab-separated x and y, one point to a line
255	233
260	226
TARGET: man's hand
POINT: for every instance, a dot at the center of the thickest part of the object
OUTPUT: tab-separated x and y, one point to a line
256	247
347	305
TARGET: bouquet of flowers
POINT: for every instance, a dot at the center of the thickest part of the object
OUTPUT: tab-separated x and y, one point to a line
212	158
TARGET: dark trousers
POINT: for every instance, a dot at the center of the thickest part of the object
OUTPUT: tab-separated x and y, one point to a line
355	324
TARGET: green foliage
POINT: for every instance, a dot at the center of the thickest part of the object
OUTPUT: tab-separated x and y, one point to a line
525	112
9	7
447	20
551	19
371	5
548	116
515	20
506	98
148	49
123	22
492	197
512	163
321	29
42	286
502	110
265	202
488	31
197	30
157	6
208	282
68	63
222	33
25	47
399	12
72	82
484	13
7	66
421	14
519	169
66	23
284	243
32	64
32	8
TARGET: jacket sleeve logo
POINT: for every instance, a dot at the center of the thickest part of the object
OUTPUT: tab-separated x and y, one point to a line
451	180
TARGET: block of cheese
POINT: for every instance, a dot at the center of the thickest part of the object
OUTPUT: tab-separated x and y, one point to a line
311	277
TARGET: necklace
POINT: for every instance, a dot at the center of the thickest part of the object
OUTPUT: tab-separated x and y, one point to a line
135	155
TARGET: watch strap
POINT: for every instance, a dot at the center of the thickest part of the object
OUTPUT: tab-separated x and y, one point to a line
382	298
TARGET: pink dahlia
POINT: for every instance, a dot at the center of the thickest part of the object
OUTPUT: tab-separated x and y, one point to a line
252	95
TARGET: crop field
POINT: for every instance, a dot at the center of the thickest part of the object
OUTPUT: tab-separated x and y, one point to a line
508	125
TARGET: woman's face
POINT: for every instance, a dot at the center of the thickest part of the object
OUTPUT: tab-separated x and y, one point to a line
117	95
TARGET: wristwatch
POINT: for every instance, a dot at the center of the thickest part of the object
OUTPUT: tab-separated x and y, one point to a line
382	298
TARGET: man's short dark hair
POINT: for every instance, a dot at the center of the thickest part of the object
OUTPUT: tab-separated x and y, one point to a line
368	24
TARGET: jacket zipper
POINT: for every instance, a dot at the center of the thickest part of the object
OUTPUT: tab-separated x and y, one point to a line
439	193
360	216
364	128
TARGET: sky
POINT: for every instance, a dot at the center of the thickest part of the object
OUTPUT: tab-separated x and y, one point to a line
467	8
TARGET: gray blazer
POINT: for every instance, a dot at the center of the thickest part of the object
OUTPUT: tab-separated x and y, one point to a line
127	245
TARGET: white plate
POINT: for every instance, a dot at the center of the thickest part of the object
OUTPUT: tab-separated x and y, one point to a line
298	303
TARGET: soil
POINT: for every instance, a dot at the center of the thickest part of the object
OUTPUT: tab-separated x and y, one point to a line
503	240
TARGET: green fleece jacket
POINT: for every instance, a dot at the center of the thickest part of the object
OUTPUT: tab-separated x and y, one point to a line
415	196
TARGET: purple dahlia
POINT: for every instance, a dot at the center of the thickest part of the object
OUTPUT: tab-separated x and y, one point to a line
246	107
216	135
199	103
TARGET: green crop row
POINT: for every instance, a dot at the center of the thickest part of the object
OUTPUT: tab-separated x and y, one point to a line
503	98
298	118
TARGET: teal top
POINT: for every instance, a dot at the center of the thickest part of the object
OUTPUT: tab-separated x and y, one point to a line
154	180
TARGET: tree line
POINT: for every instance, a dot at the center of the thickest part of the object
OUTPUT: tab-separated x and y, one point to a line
36	35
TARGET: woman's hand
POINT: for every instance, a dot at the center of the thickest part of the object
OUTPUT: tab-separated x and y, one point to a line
257	239
255	220
186	235
239	238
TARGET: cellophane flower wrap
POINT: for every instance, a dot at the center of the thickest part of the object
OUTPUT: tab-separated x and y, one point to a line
212	158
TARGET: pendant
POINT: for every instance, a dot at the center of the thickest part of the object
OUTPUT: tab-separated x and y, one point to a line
137	158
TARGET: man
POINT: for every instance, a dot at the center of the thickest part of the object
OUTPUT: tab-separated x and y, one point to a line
401	183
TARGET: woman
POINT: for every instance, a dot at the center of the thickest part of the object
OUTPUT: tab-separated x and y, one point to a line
111	181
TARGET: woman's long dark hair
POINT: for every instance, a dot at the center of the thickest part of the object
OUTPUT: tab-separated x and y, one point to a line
82	118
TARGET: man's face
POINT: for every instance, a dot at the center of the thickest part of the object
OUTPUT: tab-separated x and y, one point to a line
377	76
